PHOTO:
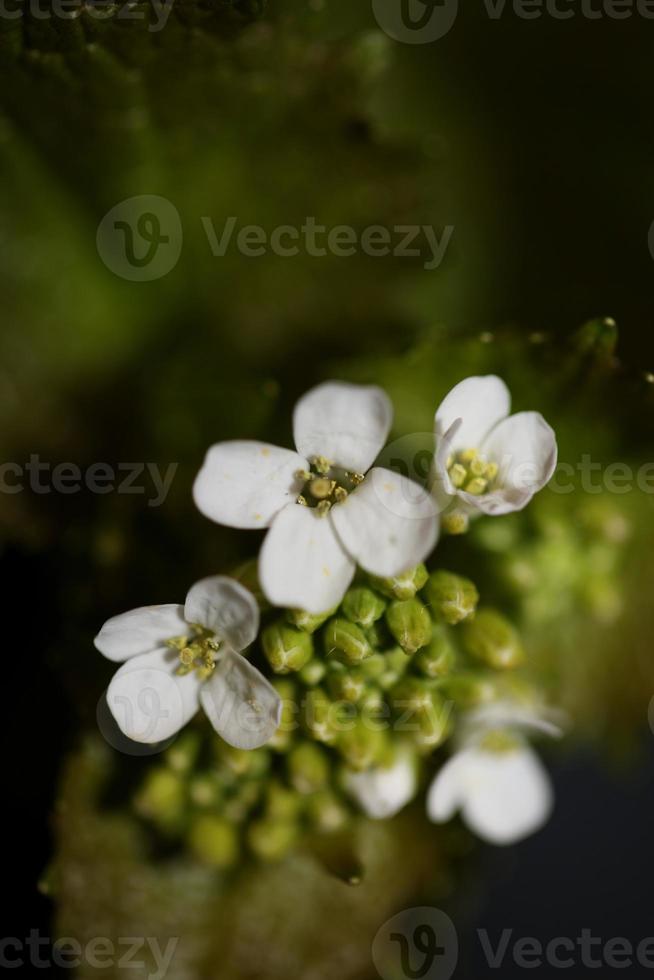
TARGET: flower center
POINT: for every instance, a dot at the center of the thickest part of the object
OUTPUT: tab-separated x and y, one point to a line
499	740
198	652
471	472
326	484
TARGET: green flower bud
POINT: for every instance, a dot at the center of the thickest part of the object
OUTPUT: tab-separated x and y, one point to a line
403	586
162	798
450	597
491	638
313	672
467	690
414	696
378	635
363	606
288	693
362	745
305	621
347	685
242	762
238	807
371	700
182	755
346	641
271	840
396	662
281	802
410	624
374	666
213	840
287	649
308	768
206	790
433	729
319	716
326	812
439	658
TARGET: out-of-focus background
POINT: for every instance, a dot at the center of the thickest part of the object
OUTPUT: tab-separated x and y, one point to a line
529	139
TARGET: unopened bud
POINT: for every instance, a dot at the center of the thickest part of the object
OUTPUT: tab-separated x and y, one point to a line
455	522
308	768
182	755
305	621
213	840
363	606
403	586
319	716
491	638
288	693
271	840
347	685
362	746
287	649
161	798
281	803
313	672
451	597
437	659
326	811
346	641
410	624
467	690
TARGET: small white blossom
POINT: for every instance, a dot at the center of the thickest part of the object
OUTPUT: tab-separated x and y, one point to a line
327	510
487	460
495	779
384	791
177	658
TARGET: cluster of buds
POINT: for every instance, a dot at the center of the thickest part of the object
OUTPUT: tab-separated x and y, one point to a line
384	675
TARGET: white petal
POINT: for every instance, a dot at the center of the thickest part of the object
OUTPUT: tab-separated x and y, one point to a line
524	447
389	523
302	565
140	631
346	423
440	484
244	484
481	402
226	607
149	701
381	793
503	796
446	793
243	707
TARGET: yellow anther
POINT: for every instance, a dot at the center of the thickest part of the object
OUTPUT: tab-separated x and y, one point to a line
467	456
321	488
458	475
302	500
478	466
187	656
303	475
356	478
491	471
477	486
321	465
323	508
340	494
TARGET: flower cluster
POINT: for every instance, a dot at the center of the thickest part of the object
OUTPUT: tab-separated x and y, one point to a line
331	690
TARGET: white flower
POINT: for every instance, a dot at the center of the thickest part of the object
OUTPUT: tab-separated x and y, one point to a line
486	459
180	657
383	791
504	794
325	514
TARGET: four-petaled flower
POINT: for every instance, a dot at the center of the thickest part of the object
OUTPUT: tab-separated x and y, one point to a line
180	657
326	509
487	460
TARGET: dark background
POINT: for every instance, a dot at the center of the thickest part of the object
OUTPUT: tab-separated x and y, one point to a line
558	205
